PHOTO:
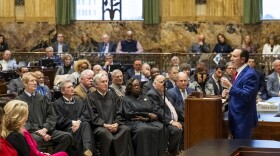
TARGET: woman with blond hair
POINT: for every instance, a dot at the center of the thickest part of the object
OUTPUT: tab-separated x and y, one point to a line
6	149
15	117
79	67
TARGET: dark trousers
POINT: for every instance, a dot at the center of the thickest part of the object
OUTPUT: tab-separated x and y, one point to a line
174	139
242	133
61	140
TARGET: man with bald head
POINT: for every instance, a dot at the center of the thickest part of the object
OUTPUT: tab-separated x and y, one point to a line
273	85
201	46
106	46
170	118
129	45
86	84
179	93
8	63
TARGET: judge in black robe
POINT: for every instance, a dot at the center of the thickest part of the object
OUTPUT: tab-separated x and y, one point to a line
106	118
42	120
147	131
73	117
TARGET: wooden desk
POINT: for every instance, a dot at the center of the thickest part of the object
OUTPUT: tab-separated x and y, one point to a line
225	147
268	127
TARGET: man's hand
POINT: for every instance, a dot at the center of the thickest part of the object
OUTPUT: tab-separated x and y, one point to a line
225	83
153	116
177	124
75	125
47	137
42	132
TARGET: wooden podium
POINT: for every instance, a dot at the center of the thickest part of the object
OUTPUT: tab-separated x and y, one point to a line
203	120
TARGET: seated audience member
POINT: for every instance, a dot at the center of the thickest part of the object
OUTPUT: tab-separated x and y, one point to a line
273	85
41	87
229	72
106	46
7	63
136	70
86	84
6	149
147	86
200	47
3	44
247	44
117	83
199	64
172	77
222	46
146	130
186	68
199	84
66	68
215	80
107	121
16	115
271	47
50	56
79	67
16	85
0	67
73	117
60	46
86	45
179	93
129	45
170	119
109	62
262	94
145	74
42	120
175	62
96	69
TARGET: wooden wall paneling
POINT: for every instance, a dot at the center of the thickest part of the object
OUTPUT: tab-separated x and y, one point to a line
7	10
40	10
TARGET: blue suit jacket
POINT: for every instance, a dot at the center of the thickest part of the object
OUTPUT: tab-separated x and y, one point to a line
177	100
169	85
112	47
242	102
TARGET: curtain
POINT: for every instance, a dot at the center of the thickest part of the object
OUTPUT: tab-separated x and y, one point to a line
65	11
252	10
151	9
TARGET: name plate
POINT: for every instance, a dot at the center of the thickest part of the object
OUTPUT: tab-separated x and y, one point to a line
268	106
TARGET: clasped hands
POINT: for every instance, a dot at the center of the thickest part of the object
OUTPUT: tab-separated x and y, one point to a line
43	134
151	116
111	127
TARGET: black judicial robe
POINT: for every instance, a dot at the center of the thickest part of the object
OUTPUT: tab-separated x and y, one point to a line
42	115
147	137
107	109
75	111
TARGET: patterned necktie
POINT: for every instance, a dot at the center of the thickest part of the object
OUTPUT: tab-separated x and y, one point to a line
184	94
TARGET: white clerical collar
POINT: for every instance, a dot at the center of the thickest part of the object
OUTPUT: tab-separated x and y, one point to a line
29	94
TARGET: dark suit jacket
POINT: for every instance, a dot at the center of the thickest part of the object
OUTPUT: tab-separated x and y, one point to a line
242	102
112	47
273	86
147	86
65	47
216	90
15	85
169	85
262	88
159	103
177	99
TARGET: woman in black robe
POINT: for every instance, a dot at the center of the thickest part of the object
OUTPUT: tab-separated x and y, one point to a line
146	130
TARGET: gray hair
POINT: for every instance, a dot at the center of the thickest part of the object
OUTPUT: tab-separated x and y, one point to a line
97	78
157	79
115	72
62	84
86	72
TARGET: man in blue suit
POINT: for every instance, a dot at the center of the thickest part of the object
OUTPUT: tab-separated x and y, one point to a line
106	46
179	93
273	85
243	92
